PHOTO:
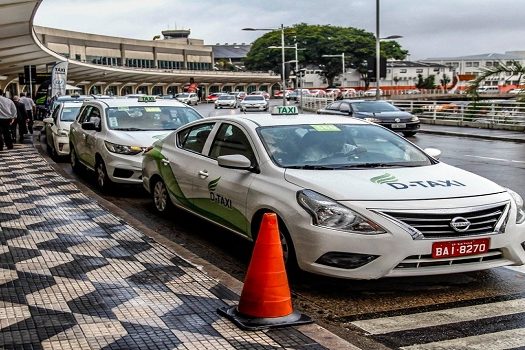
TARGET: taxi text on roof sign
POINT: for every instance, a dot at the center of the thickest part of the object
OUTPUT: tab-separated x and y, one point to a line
147	99
285	110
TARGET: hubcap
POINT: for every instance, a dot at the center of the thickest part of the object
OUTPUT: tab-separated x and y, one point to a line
160	196
101	175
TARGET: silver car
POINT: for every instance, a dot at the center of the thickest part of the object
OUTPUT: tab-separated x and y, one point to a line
254	103
229	101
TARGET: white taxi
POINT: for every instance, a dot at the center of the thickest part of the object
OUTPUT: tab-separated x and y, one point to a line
57	127
110	135
354	200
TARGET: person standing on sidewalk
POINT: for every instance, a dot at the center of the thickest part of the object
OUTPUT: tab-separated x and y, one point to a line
30	109
21	120
7	117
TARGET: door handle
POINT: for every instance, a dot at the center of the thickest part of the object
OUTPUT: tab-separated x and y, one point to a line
165	162
203	174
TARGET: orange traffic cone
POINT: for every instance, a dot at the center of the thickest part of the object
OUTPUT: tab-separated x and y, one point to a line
265	301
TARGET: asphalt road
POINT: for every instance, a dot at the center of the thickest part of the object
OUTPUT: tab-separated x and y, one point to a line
341	305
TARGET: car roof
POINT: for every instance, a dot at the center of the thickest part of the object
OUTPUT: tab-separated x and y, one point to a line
127	102
72	103
266	119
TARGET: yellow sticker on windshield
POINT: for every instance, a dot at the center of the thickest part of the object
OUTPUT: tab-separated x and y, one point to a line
325	127
152	109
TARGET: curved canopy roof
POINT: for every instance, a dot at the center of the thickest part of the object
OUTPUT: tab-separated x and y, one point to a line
19	46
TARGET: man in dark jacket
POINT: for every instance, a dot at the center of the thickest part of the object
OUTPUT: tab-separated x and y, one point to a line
7	117
21	120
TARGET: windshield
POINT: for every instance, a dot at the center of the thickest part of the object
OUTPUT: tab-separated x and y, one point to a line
183	95
144	118
254	98
339	146
374	107
226	97
69	114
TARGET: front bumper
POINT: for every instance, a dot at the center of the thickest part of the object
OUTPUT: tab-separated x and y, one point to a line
254	107
61	144
403	126
398	254
122	168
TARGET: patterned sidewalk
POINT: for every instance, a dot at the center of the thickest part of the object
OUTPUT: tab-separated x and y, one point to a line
74	276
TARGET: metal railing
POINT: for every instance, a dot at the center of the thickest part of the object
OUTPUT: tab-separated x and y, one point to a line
483	113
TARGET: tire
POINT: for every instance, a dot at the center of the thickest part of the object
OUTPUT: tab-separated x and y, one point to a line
101	176
161	198
409	133
75	163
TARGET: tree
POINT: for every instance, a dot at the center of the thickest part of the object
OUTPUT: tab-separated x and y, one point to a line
425	83
224	64
514	68
444	81
319	40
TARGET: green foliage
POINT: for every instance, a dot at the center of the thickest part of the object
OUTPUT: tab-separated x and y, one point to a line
426	83
318	40
444	80
514	68
224	64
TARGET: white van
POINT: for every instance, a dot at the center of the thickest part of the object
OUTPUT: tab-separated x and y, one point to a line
487	90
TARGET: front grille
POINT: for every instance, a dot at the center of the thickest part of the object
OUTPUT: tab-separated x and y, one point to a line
437	224
426	261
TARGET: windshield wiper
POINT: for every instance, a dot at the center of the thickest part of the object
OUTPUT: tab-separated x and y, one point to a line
312	167
129	129
375	165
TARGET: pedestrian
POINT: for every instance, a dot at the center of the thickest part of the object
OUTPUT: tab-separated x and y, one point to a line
30	110
7	117
21	120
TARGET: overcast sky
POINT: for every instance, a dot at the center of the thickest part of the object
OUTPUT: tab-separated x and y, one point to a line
430	28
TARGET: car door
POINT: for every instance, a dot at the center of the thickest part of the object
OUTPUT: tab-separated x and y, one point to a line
88	140
77	134
221	193
184	157
333	108
52	128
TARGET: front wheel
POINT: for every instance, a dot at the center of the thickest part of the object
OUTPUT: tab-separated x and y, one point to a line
161	198
103	181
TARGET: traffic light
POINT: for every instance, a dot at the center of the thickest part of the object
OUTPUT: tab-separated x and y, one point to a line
371	68
287	70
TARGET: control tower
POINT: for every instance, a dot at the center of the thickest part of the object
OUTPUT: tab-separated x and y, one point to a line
170	34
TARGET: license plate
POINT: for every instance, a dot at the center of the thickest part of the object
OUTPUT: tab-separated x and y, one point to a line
399	126
460	248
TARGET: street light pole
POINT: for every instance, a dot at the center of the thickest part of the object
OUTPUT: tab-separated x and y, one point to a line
378	53
284	65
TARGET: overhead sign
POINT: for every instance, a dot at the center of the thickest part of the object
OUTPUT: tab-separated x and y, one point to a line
58	79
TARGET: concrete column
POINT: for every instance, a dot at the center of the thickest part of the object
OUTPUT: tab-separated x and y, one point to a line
185	60
155	58
122	55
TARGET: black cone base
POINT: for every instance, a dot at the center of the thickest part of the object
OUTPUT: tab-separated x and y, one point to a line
255	324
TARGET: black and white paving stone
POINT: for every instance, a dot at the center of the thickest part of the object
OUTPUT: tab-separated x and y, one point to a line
74	276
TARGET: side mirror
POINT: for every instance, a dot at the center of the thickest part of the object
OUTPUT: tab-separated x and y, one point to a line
344	108
433	152
234	161
48	120
89	126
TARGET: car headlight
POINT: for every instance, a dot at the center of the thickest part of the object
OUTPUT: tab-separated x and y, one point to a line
520	215
123	149
373	120
414	119
328	213
63	133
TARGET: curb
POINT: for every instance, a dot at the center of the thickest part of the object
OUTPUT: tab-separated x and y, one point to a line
477	136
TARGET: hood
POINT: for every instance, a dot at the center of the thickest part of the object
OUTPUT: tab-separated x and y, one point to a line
438	181
384	115
137	138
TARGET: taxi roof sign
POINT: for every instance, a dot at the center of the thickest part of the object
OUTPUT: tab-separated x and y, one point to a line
285	110
147	99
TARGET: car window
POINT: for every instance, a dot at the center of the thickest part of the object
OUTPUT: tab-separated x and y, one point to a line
374	107
69	113
334	106
231	140
94	116
145	118
194	138
84	113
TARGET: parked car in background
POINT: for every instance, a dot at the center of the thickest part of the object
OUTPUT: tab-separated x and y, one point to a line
411	92
334	93
379	112
254	103
110	136
372	92
228	101
317	93
487	90
57	127
516	91
296	94
261	93
214	96
189	98
348	93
